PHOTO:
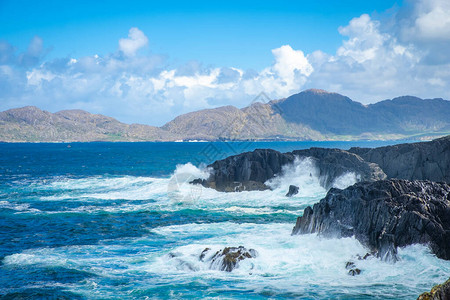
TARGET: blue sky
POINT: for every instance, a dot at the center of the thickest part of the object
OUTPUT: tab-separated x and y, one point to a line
147	62
231	33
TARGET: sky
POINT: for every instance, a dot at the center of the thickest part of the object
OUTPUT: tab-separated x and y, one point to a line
147	62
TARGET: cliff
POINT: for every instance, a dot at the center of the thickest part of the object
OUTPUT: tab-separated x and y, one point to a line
384	215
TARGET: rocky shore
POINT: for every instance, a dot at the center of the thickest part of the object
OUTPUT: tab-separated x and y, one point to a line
384	215
249	171
402	197
438	292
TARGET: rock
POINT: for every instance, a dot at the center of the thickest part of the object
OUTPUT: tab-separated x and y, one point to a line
228	259
438	292
349	265
249	171
415	161
354	272
203	254
293	190
384	215
333	163
200	181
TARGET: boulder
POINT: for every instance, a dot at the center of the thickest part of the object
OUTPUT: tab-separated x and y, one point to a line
293	190
384	215
438	292
227	259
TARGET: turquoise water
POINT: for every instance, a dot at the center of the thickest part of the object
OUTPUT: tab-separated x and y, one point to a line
98	221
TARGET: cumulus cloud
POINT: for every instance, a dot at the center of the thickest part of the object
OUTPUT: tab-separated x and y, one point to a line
135	41
378	59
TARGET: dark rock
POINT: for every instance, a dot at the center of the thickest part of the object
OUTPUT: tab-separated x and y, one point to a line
293	190
438	292
249	171
349	265
200	181
228	259
203	254
354	272
333	163
415	161
384	215
366	256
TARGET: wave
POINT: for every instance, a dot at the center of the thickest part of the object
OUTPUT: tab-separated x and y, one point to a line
285	263
304	173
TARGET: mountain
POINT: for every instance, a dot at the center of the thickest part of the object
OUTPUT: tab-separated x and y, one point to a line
30	124
318	115
309	115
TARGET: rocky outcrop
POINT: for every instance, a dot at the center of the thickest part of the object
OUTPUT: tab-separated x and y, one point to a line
250	170
415	161
438	292
333	163
384	215
227	259
247	171
293	190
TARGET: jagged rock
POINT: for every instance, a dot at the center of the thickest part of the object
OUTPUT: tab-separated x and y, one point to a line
438	292
354	272
228	259
249	171
415	161
293	190
200	181
203	254
384	215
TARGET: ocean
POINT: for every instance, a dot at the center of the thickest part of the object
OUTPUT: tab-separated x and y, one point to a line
119	221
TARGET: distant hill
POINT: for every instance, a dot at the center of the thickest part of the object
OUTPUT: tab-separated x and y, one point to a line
309	115
30	124
336	114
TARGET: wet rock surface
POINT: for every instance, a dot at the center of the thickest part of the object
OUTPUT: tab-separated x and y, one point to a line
227	259
293	190
249	171
384	215
438	292
414	161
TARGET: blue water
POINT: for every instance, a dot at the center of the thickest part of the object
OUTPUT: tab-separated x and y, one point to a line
98	221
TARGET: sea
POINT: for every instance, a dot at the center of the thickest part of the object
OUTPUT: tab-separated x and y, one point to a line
121	221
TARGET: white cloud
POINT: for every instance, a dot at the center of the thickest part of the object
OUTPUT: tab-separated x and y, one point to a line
288	61
429	21
375	61
135	41
364	39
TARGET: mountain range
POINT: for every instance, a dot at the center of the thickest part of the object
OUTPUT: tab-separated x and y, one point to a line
309	115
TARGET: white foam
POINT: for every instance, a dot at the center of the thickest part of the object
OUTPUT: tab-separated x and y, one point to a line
285	263
20	207
302	173
346	180
297	261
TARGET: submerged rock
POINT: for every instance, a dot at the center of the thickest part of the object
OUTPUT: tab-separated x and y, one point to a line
293	190
438	292
384	215
227	259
